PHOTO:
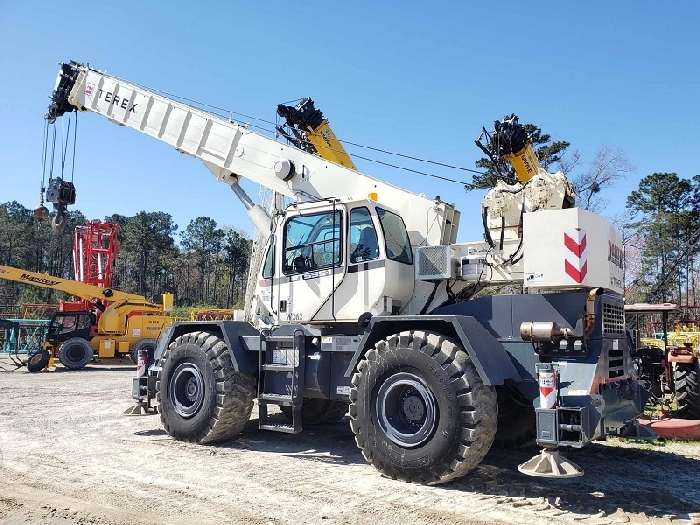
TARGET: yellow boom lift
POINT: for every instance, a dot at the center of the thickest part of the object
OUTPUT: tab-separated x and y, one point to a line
120	324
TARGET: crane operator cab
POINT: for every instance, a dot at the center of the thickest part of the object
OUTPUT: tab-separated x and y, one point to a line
335	260
66	325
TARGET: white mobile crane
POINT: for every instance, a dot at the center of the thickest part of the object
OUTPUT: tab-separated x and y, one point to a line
361	301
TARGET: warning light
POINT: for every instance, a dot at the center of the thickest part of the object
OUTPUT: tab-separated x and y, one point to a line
372	196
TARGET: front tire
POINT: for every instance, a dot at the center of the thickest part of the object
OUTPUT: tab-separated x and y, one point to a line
419	410
75	353
686	384
203	399
38	361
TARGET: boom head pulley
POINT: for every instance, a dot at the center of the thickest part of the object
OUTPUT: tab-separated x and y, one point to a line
509	141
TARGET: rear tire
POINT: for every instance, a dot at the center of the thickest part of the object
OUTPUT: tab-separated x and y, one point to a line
686	383
318	411
203	399
75	353
38	361
149	344
419	410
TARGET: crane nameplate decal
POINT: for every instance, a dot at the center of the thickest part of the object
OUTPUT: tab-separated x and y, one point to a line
39	280
109	97
575	262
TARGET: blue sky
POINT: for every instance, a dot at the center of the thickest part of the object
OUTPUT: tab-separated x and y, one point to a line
419	78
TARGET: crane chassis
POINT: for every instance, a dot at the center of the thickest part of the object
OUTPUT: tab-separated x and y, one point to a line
361	304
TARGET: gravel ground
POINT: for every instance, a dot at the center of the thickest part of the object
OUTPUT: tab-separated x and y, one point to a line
68	455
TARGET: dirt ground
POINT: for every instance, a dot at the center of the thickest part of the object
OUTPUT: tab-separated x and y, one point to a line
68	455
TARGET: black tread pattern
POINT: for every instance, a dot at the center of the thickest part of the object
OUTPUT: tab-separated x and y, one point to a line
686	383
478	406
38	361
134	354
81	363
235	392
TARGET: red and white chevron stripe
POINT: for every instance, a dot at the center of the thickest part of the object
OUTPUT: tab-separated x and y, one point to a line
576	260
548	388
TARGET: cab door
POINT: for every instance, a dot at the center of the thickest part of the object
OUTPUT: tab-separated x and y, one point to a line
379	278
311	264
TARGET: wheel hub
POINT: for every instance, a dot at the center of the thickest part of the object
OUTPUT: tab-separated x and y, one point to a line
406	410
187	389
413	408
75	353
191	389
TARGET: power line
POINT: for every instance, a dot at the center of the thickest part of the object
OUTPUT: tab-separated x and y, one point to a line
229	113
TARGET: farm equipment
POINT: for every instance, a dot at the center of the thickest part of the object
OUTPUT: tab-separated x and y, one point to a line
113	324
363	301
667	370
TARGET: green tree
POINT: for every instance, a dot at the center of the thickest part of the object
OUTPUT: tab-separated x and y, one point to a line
16	223
148	236
236	258
667	214
203	239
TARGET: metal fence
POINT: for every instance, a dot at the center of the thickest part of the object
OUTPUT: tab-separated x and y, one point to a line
22	336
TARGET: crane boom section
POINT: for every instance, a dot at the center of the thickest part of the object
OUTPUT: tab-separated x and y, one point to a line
231	151
85	291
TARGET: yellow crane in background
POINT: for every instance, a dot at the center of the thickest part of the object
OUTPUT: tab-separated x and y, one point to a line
120	324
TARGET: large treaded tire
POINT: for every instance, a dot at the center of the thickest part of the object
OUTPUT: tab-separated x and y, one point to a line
464	410
686	384
219	405
75	353
516	419
38	361
318	411
150	344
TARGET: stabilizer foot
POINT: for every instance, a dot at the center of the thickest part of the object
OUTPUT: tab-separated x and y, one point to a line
638	430
549	464
141	409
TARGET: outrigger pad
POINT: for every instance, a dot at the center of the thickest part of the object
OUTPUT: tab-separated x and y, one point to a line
141	409
549	464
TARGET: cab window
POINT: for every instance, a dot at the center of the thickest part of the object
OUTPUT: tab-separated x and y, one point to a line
312	242
269	266
398	246
364	245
